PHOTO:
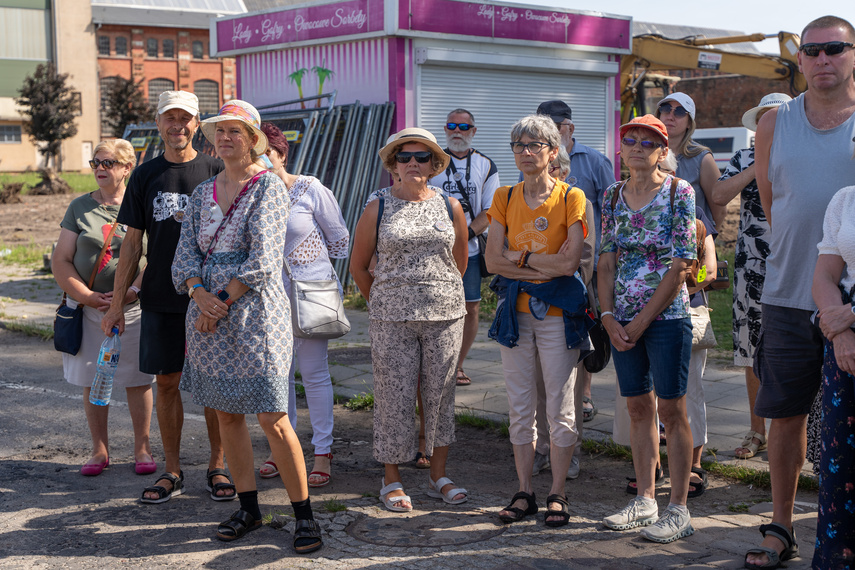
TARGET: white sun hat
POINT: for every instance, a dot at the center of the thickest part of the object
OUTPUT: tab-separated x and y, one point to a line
770	101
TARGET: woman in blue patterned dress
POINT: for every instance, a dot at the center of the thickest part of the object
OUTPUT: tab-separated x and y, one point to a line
239	341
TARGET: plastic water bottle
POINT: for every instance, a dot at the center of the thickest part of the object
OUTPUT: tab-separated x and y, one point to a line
108	361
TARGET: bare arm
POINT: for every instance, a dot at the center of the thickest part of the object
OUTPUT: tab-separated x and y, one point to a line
460	249
499	263
606	293
835	317
62	266
664	295
762	150
567	260
480	223
364	246
709	176
127	268
726	190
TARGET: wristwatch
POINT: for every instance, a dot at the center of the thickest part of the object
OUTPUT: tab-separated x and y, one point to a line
224	297
193	289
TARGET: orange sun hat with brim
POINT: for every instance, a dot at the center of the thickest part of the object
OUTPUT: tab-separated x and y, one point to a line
237	110
648	122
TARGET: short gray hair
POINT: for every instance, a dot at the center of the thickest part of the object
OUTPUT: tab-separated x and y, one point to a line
669	163
537	127
563	161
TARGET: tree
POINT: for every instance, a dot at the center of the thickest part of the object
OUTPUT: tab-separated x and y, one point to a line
49	107
297	78
323	74
125	104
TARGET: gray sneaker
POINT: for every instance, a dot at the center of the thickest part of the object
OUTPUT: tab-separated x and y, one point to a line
636	513
573	471
671	525
541	462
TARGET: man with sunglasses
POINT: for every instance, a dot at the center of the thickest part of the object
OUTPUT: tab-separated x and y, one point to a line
803	154
472	178
158	192
592	172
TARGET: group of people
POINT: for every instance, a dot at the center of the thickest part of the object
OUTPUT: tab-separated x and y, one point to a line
209	248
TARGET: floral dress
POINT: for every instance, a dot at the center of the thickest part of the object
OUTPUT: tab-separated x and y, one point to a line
645	241
242	367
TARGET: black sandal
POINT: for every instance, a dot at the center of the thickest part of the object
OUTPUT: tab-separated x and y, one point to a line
162	494
307	536
214	487
632	485
564	513
697	489
788	539
240	523
519	514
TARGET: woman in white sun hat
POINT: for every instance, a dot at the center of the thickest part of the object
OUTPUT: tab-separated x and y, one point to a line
239	341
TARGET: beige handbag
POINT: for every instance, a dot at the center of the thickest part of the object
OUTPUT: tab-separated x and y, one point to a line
702	331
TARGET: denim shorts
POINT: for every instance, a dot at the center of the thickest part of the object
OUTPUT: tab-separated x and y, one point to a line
472	281
659	360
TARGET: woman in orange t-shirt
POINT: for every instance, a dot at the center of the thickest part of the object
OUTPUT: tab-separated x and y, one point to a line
543	221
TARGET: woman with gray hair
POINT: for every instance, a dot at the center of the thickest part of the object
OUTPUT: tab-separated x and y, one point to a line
540	317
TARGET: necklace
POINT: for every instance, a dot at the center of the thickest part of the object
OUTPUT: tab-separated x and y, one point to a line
238	184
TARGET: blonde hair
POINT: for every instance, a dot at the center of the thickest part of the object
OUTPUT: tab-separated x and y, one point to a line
121	149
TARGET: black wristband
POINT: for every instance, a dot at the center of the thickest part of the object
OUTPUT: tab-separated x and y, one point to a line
472	233
525	258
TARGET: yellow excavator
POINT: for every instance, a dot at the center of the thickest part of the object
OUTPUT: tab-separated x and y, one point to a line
641	87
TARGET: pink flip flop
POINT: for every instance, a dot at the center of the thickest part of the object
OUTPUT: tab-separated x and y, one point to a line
268	473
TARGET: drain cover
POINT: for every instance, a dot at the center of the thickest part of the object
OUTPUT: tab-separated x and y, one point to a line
421	529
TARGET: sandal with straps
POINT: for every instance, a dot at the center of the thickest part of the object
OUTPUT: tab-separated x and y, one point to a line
321	478
307	536
213	488
787	538
435	491
748	443
517	513
240	523
392	502
696	489
564	513
162	494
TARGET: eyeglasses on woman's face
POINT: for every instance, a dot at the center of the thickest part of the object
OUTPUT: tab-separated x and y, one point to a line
533	147
678	111
107	163
421	157
646	145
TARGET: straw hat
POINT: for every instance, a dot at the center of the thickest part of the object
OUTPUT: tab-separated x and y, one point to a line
414	134
237	110
770	101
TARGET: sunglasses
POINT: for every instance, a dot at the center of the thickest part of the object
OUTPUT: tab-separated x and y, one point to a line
106	163
830	48
532	147
421	157
646	145
462	126
679	112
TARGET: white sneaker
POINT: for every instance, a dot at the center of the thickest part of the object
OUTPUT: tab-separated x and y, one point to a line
541	462
636	513
671	525
573	471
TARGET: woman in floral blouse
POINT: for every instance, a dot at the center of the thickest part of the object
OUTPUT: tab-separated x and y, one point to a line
648	243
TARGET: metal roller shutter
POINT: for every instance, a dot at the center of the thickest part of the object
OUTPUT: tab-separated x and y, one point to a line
499	97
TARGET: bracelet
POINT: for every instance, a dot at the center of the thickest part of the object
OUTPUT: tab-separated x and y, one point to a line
193	289
604	313
135	289
521	260
525	258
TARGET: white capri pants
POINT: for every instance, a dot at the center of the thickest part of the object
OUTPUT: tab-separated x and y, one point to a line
310	356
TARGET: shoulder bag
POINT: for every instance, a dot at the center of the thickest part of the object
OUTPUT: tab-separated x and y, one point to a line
316	308
702	331
68	323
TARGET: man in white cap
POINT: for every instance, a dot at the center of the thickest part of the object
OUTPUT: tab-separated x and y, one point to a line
804	152
752	246
157	194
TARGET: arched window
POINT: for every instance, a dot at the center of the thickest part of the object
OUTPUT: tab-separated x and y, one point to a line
168	48
121	46
106	85
198	50
156	87
208	93
151	47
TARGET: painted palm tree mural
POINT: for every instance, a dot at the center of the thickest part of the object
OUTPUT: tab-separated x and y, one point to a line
323	74
297	79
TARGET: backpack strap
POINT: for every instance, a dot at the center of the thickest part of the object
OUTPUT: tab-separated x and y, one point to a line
447	206
674	181
616	194
381	203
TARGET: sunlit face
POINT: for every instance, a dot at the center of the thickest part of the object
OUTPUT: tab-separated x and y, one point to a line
232	141
565	129
110	179
413	171
825	71
177	128
533	164
638	157
457	140
676	126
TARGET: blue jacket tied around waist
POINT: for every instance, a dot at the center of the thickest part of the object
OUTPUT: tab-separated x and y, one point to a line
568	293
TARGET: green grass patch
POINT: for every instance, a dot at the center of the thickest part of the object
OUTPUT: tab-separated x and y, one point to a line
721	311
487	309
44	332
469	418
608	448
363	401
79	182
755	477
28	255
299	390
353	299
333	505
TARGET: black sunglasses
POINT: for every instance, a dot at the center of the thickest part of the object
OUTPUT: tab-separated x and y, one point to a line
532	147
678	111
421	157
107	163
462	126
830	48
646	145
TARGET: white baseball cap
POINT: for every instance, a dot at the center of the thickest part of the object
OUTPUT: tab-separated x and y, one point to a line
770	101
178	100
684	100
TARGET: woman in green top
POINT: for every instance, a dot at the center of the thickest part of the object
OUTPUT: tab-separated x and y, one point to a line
86	225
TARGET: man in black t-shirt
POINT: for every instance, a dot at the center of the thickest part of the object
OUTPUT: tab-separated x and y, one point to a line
157	194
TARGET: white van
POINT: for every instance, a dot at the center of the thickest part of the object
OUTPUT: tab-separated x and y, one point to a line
724	142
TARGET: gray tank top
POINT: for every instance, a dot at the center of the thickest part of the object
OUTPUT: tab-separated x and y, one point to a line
689	169
807	166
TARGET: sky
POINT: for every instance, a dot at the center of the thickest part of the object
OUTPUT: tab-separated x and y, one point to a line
748	16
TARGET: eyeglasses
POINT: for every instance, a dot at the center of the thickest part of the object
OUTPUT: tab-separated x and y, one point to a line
421	157
646	145
559	125
532	147
830	48
554	167
106	163
678	111
462	126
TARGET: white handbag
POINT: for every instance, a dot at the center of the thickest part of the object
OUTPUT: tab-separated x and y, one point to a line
702	331
316	309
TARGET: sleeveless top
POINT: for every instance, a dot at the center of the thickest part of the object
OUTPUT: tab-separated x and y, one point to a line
416	277
807	166
689	169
